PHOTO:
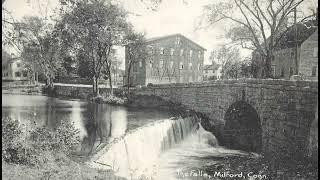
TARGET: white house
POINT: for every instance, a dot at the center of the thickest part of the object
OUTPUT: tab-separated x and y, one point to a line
212	72
13	69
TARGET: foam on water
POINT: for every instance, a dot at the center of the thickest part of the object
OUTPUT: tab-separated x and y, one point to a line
137	153
160	150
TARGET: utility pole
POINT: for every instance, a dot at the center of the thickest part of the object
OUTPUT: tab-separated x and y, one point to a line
296	42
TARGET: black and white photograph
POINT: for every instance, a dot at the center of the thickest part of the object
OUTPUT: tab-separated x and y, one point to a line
160	89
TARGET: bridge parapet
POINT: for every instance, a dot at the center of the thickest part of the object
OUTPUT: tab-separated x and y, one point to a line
286	109
267	83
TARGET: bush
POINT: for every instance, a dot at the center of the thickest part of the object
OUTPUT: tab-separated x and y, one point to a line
115	100
109	100
36	146
43	153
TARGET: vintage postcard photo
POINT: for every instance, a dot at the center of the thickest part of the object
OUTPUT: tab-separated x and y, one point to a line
160	89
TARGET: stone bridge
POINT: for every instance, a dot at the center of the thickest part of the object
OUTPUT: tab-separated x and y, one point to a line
272	116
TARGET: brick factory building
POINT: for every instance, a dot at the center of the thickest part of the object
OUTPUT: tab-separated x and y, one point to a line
172	59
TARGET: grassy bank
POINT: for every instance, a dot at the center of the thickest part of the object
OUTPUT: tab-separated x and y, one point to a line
42	153
58	169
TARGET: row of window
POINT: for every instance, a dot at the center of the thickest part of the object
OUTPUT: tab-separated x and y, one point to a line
181	65
315	54
156	77
207	71
16	74
10	65
172	52
291	71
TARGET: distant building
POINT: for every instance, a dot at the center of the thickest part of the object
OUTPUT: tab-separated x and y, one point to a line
13	69
309	57
283	62
211	72
172	59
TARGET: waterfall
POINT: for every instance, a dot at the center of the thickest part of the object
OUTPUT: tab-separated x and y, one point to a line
206	137
137	152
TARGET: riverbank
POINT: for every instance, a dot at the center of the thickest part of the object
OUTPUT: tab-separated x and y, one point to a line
23	90
68	169
43	153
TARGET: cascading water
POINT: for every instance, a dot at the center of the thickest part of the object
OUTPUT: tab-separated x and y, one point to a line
136	153
165	149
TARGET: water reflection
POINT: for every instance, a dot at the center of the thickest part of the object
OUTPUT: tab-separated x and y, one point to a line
97	123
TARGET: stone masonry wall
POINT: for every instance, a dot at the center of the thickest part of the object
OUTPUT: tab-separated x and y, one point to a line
286	108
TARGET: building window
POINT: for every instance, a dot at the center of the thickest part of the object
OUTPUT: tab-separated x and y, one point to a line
161	64
140	63
314	71
25	73
150	64
190	66
199	54
171	64
18	64
272	58
177	40
181	52
199	66
135	68
190	53
17	74
273	70
181	65
292	54
171	51
315	52
282	72
150	50
291	71
161	50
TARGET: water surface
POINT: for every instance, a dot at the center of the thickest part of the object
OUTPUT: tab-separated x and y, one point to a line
96	122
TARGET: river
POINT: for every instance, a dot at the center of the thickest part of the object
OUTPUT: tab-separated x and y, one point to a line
141	144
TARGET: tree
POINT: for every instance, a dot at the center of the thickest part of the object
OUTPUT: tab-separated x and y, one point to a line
136	52
246	69
258	23
229	60
40	46
68	64
92	28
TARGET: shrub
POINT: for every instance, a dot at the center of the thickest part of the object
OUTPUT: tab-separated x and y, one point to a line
34	148
115	100
109	100
63	139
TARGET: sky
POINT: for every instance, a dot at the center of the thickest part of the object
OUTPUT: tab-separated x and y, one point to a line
172	16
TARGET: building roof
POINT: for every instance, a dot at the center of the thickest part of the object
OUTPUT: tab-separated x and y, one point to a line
7	58
287	39
304	31
212	66
150	40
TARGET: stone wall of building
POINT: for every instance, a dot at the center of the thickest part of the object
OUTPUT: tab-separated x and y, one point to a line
284	63
309	57
286	109
167	64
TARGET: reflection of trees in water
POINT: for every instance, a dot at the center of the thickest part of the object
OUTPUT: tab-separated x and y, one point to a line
51	115
98	126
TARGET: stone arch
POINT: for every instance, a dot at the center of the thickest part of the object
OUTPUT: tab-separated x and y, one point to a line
242	129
